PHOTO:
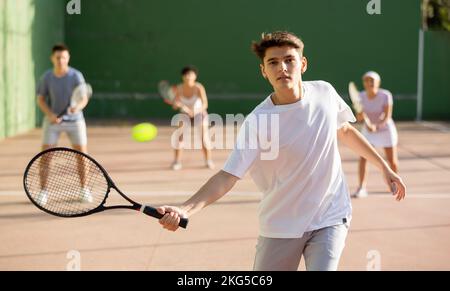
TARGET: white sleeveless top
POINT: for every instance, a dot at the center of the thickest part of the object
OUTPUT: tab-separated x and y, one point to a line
194	103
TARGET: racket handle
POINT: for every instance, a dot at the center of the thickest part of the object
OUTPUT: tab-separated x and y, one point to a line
154	213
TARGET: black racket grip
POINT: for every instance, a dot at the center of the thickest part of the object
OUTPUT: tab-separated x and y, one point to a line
154	213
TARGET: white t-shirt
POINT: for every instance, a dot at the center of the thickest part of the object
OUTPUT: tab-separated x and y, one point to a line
303	187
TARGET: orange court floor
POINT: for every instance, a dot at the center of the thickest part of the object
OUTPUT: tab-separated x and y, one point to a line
385	234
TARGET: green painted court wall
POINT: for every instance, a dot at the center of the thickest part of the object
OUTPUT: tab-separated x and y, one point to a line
27	31
125	47
436	95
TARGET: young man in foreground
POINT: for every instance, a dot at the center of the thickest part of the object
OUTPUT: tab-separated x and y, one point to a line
305	208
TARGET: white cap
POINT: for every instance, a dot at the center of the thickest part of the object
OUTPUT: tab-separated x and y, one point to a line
373	75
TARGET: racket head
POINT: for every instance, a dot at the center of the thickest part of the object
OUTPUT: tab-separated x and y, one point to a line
354	97
66	195
166	91
79	93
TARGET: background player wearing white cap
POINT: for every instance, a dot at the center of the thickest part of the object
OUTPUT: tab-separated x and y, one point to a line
379	128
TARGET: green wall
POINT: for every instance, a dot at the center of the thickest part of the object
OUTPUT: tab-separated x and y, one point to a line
126	47
436	91
27	30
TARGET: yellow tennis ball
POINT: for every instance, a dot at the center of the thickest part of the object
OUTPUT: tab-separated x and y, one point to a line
144	132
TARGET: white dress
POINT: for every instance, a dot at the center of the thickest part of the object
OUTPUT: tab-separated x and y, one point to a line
386	135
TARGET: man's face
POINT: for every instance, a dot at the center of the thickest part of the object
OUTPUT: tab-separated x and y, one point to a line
370	84
283	67
60	59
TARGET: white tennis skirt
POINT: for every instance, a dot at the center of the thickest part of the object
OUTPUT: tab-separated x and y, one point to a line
386	137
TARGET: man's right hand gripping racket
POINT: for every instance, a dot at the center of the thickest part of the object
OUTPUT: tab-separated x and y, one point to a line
68	183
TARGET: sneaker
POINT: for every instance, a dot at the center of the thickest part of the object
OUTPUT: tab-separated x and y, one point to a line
176	166
360	193
86	195
42	197
210	164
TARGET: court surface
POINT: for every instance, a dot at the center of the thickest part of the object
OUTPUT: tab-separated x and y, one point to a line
410	235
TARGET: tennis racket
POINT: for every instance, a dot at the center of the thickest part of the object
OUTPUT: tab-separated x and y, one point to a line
67	183
166	91
80	92
354	97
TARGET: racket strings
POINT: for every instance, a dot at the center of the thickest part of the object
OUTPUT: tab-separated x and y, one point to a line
66	183
165	90
80	92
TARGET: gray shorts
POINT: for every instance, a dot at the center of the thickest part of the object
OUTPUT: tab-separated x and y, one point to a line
76	131
320	248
